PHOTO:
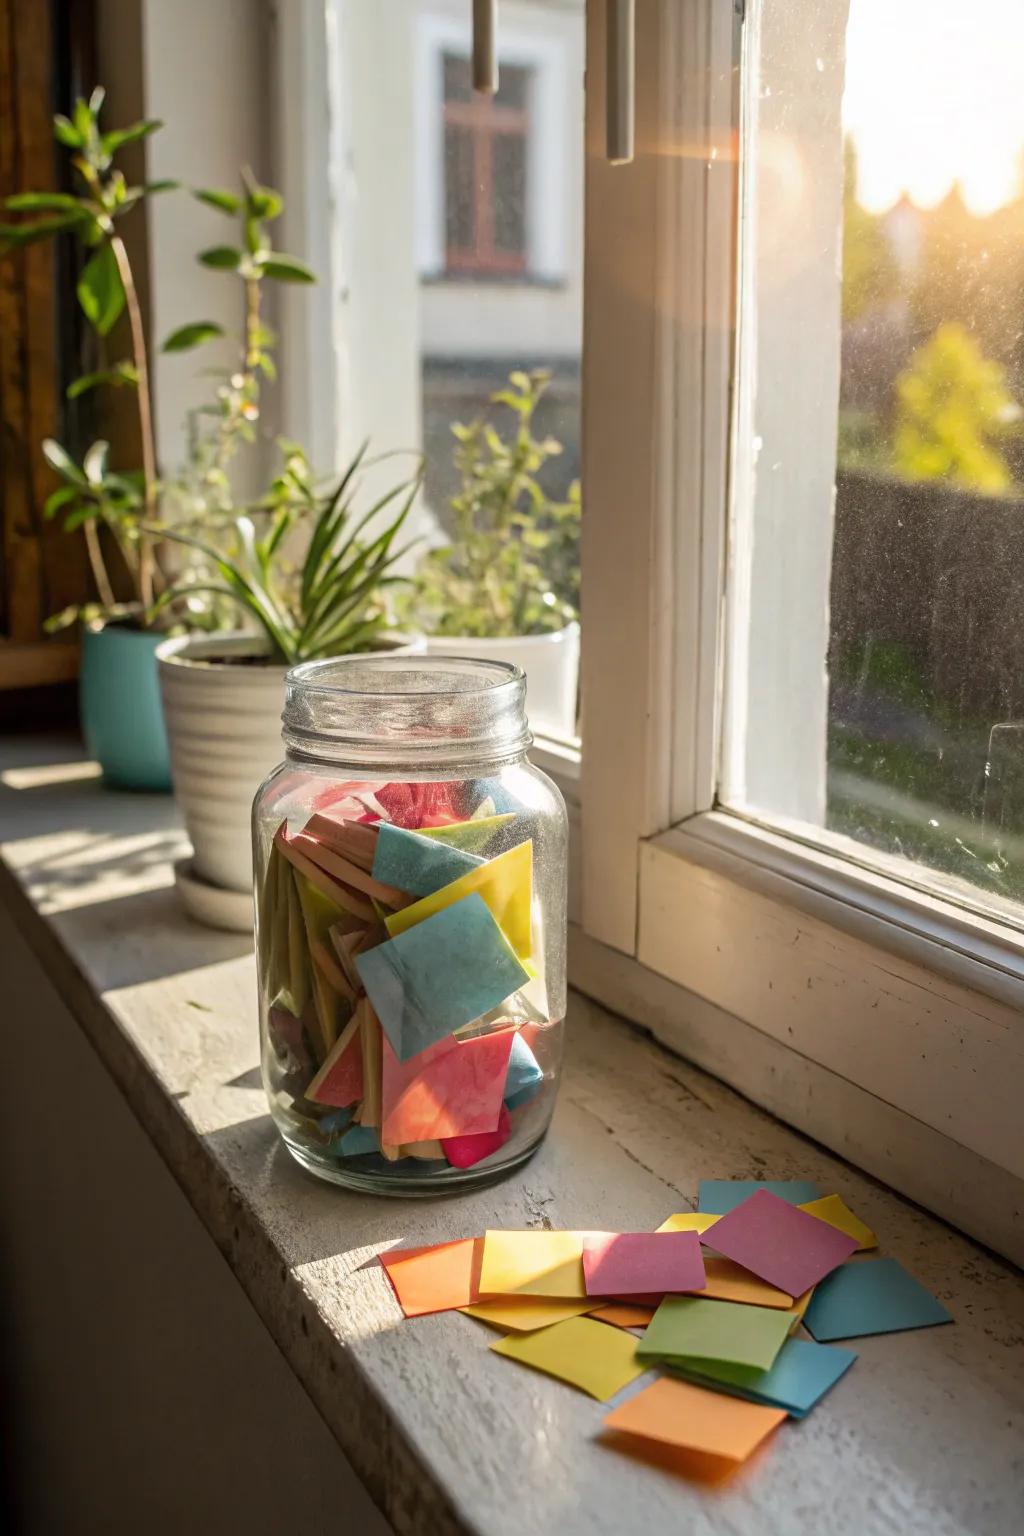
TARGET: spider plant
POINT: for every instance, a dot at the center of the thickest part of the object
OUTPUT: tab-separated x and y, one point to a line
331	602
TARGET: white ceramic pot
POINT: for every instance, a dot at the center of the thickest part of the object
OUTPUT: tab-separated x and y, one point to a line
223	718
551	663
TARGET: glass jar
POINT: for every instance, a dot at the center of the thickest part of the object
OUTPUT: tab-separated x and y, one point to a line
410	870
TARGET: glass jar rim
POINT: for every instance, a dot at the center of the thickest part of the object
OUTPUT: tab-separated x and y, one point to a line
410	711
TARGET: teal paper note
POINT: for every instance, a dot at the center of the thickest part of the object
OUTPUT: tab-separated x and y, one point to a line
356	1141
692	1328
718	1196
439	975
800	1377
871	1296
419	865
525	1075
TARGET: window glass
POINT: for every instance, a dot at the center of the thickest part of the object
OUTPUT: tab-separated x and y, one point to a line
876	683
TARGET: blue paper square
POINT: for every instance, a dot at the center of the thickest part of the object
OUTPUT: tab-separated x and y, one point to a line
719	1196
356	1141
871	1296
801	1375
525	1075
439	975
419	865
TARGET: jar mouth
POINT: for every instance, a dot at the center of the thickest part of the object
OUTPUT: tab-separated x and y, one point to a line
407	711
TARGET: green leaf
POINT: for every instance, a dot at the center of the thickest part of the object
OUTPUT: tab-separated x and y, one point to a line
99	290
111	142
83	514
226	202
65	132
95	462
96	100
16	235
60	498
83	120
221	257
286	269
121	373
152	188
41	202
188	336
60	460
264	203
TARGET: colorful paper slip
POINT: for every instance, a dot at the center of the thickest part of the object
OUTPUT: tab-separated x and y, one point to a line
834	1210
623	1314
720	1195
871	1296
416	864
525	1075
585	1354
677	1413
349	900
696	1329
439	1278
725	1280
467	1151
780	1243
505	884
445	972
533	1264
471	836
357	1142
454	1088
524	1314
346	871
632	1263
340	1079
801	1375
688	1221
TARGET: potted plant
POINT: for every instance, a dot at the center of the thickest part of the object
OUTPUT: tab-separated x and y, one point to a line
223	693
121	513
506	586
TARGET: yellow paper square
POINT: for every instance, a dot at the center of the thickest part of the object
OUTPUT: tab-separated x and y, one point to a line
834	1210
533	1264
504	883
522	1314
588	1355
688	1221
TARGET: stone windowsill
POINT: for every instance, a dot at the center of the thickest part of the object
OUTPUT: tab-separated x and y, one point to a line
918	1438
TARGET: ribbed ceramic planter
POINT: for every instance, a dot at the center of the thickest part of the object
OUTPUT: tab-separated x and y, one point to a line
119	705
222	703
551	663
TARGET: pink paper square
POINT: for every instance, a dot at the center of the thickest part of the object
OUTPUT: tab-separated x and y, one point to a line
780	1243
453	1088
343	1084
464	1151
635	1263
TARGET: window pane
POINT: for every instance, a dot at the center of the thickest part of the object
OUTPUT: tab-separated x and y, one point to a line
877	647
459	192
510	194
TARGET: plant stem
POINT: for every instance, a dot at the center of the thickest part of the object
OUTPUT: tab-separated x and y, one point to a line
139	357
98	565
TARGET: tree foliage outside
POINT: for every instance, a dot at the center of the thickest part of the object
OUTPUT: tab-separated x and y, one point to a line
953	409
870	276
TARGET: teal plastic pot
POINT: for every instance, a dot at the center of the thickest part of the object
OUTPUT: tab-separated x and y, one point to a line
119	702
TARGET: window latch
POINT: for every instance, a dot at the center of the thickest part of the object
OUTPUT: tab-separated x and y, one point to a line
620	81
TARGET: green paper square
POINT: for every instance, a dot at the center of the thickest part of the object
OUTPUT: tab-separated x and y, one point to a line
697	1328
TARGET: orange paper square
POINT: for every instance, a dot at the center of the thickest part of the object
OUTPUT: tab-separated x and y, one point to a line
693	1418
435	1279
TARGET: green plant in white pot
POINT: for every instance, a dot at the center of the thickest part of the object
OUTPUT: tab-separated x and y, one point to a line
506	585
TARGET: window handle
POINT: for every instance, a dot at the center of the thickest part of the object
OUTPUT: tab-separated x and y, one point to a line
485	46
620	85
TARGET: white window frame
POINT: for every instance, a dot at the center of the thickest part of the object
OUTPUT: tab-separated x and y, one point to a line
805	978
546	166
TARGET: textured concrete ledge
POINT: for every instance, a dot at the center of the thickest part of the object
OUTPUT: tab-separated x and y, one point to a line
923	1436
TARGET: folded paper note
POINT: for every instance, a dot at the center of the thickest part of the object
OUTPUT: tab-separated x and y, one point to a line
780	1243
435	1279
340	1079
505	884
624	1314
453	1088
632	1263
834	1210
417	864
443	973
694	1328
467	1151
525	1075
871	1296
725	1280
342	895
533	1264
801	1375
343	869
720	1195
524	1314
471	836
677	1413
586	1354
688	1221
